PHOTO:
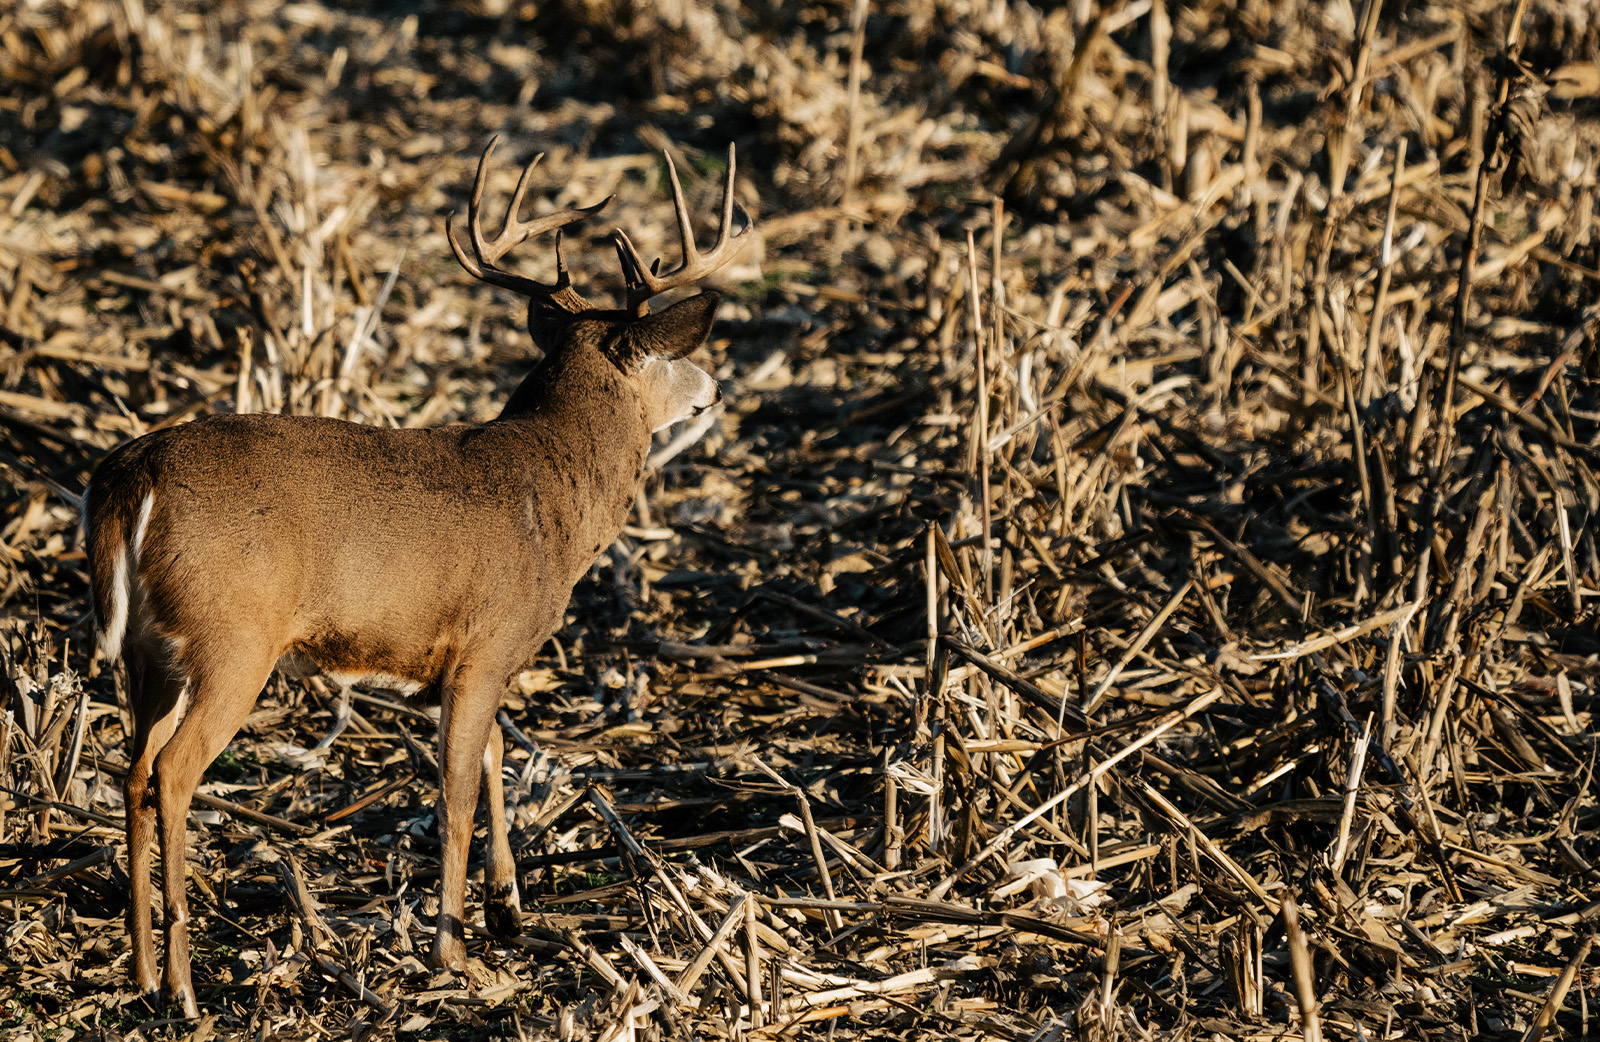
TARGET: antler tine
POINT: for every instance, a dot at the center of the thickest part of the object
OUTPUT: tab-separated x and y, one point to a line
474	213
487	252
644	282
727	198
625	257
680	209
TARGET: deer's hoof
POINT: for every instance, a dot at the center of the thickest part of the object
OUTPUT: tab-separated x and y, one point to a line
502	913
448	954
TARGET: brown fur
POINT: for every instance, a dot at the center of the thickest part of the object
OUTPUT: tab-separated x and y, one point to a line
442	557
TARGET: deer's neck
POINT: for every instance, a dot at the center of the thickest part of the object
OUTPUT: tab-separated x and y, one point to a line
589	440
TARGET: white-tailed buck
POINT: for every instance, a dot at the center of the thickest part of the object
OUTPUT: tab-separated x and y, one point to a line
437	560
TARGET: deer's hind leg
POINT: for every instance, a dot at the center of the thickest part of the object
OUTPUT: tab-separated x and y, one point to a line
156	690
222	692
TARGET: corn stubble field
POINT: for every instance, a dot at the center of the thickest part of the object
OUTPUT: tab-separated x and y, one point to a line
1141	585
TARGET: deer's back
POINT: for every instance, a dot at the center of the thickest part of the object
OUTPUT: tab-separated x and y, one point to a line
413	542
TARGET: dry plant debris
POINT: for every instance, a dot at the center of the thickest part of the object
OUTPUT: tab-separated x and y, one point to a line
1143	584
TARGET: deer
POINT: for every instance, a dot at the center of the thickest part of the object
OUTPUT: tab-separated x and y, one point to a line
436	560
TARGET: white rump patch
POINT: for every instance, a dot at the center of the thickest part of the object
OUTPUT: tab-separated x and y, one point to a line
117	624
139	526
124	573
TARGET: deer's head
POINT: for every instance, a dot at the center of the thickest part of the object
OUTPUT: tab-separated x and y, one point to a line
649	350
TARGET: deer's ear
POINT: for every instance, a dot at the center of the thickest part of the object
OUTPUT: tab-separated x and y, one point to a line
674	332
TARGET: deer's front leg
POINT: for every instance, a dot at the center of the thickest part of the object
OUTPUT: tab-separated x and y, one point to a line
502	909
470	699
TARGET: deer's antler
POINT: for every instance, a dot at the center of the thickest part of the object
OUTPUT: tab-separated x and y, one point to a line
644	283
484	264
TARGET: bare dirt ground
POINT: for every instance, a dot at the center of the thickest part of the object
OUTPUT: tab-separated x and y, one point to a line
1142	583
